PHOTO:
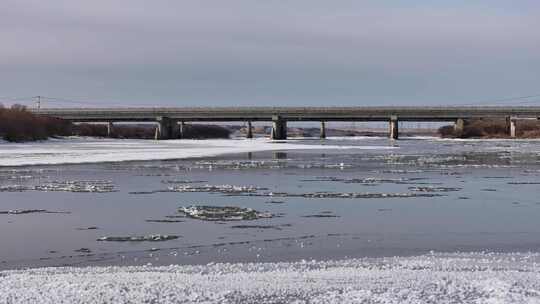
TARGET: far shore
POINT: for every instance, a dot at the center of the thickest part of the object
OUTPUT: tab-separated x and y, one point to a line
492	129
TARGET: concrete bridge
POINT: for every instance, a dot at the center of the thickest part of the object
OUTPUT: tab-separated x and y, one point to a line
171	120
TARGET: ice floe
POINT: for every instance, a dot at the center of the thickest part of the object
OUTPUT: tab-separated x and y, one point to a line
434	189
100	186
163	221
227	213
29	211
434	278
14	188
275	227
216	188
226	189
145	238
342	194
94	186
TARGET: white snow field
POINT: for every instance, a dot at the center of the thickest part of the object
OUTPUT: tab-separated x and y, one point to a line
433	278
92	150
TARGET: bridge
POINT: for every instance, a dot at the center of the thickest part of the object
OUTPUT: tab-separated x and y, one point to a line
171	121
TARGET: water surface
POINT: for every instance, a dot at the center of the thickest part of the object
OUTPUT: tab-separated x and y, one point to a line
423	195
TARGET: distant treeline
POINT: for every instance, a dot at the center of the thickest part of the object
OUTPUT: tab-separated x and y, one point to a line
19	125
492	128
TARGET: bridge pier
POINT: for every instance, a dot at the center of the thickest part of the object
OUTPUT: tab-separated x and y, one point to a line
459	127
323	130
394	127
110	129
166	128
181	129
279	128
513	127
249	130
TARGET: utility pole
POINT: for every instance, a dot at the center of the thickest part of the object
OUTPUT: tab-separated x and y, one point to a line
38	102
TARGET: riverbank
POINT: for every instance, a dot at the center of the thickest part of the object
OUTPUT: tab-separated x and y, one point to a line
441	278
19	125
492	128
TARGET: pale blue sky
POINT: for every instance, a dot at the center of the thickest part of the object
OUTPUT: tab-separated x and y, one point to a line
249	52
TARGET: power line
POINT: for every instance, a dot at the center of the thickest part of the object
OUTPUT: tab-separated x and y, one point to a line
498	101
43	100
82	102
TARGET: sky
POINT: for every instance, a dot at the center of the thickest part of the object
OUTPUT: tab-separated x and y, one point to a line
269	53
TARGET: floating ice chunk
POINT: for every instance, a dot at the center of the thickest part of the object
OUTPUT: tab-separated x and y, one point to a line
342	195
216	188
147	238
28	211
227	213
434	189
99	186
14	188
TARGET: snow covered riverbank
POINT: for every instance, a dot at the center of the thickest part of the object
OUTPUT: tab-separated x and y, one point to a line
435	278
91	150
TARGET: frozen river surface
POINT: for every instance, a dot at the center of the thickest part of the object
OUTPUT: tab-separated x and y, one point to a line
146	205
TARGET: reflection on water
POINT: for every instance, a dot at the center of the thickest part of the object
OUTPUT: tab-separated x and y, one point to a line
279	155
426	195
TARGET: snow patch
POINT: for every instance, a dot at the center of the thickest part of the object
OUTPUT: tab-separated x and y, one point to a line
433	278
86	150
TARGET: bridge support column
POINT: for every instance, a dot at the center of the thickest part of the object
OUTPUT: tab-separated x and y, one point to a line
513	127
181	129
323	130
110	129
279	128
249	130
459	127
175	129
394	127
165	128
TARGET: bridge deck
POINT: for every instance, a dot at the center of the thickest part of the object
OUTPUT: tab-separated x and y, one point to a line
288	113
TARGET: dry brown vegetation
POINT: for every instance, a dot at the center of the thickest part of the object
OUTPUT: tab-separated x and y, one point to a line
493	128
17	124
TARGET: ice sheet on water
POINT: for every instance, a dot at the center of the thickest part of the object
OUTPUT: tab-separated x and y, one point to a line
434	278
91	150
